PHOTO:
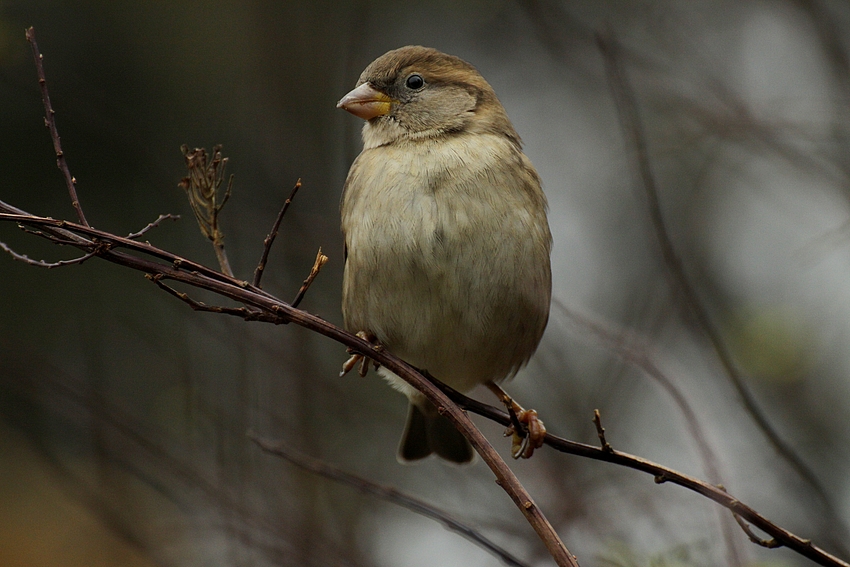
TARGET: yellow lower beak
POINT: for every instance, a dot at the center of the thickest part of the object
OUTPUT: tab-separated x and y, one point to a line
366	102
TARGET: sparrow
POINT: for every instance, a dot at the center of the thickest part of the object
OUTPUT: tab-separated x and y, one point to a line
447	243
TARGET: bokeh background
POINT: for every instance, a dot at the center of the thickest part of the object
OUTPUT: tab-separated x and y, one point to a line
123	414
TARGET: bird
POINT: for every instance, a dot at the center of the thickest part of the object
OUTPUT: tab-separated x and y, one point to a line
446	238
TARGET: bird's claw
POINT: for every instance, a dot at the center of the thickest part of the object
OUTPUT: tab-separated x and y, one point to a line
357	357
527	431
352	362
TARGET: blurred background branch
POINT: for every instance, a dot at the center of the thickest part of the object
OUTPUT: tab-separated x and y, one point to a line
634	132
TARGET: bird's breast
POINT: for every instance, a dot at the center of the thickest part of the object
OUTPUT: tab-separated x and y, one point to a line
445	244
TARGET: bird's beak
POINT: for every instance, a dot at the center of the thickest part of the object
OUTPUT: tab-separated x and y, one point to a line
365	102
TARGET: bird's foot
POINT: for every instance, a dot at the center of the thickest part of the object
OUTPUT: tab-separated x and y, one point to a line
357	357
526	431
535	432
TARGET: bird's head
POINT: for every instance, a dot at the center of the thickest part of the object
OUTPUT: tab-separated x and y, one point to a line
417	92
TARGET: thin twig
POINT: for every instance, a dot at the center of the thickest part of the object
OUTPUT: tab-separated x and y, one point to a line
71	232
600	431
50	122
768	543
387	494
320	261
51	237
269	240
41	263
152	225
241	312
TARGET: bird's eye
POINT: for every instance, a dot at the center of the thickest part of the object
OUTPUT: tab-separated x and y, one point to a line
415	82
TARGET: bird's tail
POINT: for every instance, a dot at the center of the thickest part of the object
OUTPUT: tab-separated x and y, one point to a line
429	432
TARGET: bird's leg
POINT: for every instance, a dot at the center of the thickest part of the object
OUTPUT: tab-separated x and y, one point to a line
526	430
358	357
